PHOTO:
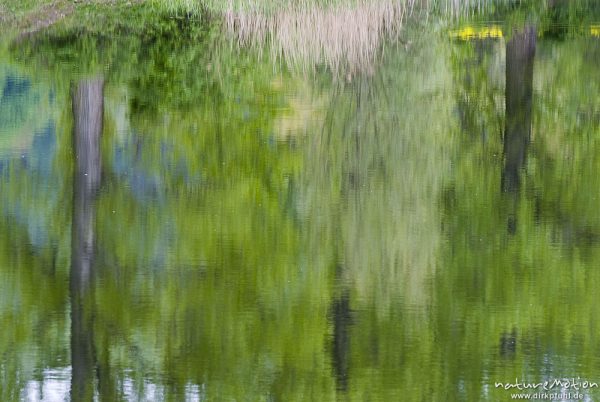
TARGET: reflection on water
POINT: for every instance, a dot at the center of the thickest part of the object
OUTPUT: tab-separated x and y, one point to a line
185	223
344	38
520	52
88	105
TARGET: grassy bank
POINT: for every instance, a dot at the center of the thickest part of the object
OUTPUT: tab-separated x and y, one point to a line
344	36
13	11
19	18
19	12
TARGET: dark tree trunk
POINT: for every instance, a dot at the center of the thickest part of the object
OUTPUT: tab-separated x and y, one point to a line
520	53
88	103
342	319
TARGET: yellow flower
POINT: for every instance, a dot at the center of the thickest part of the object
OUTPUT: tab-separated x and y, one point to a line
468	32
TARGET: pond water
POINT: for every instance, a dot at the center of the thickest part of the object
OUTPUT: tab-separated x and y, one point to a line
186	220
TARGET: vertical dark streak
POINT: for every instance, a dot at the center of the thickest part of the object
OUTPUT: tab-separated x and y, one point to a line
520	53
88	104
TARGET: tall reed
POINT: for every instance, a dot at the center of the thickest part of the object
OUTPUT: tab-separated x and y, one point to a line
342	37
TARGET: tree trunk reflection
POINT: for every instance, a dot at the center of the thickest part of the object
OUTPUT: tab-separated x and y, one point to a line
341	339
520	53
87	99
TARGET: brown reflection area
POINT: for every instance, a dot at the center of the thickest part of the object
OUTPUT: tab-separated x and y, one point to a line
520	54
88	105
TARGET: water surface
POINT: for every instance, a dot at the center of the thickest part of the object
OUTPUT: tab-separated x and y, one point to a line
184	220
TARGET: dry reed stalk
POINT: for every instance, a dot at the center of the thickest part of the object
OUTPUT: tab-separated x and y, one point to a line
344	38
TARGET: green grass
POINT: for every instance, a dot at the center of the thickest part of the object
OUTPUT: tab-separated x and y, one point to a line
18	6
11	10
104	17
